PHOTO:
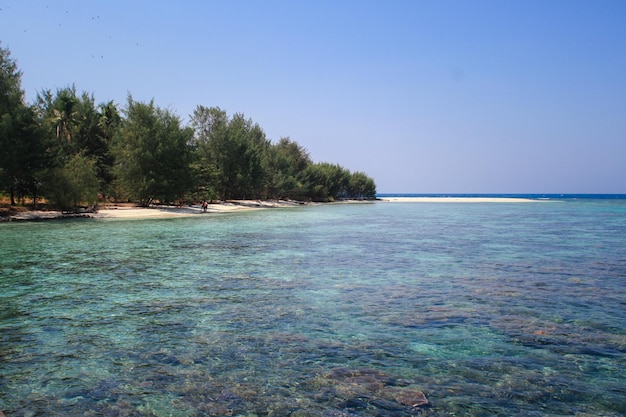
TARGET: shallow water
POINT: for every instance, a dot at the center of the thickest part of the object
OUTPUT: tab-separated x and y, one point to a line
338	310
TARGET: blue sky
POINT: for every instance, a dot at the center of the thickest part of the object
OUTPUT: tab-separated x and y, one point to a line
423	96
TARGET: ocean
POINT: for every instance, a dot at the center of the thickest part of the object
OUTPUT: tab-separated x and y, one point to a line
369	309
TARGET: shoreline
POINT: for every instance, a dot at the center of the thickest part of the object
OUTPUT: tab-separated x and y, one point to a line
165	211
125	211
456	200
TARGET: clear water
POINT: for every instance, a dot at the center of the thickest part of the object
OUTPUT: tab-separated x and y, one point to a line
337	310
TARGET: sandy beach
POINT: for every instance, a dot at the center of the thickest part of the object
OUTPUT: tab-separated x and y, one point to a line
187	210
129	211
456	200
125	211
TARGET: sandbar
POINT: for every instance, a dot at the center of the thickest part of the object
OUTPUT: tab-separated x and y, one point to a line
456	200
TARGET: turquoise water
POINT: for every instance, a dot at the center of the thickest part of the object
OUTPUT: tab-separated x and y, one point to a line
334	310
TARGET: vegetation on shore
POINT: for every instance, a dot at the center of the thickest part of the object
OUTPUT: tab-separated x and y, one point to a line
69	151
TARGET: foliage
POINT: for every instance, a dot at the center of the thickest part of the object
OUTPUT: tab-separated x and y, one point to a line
67	148
11	93
286	161
207	123
76	125
73	184
11	100
231	153
327	182
360	186
324	181
94	132
23	156
152	154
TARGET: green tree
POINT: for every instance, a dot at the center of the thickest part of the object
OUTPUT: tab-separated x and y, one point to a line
327	182
230	153
246	146
361	186
77	125
11	98
23	151
75	183
57	145
152	152
63	112
57	113
109	121
208	124
286	161
94	127
24	154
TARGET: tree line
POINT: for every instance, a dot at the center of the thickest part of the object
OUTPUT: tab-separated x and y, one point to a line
68	150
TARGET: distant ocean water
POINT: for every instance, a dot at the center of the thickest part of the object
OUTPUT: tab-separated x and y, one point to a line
529	196
332	310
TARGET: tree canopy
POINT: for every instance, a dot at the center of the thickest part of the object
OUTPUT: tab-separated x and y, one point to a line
152	154
69	150
22	151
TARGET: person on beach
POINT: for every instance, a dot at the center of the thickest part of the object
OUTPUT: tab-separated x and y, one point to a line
205	205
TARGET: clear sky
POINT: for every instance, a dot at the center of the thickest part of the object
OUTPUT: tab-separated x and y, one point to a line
424	96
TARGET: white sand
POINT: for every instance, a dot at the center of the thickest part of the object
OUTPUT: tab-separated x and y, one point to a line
154	212
194	210
456	200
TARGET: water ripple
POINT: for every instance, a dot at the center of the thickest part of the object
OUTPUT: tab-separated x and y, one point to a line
365	310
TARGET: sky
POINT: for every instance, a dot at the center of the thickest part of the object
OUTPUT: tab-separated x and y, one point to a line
424	96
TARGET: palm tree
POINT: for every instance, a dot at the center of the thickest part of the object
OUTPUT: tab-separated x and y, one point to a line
109	119
64	112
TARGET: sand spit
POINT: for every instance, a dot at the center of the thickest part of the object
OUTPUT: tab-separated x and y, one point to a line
456	200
